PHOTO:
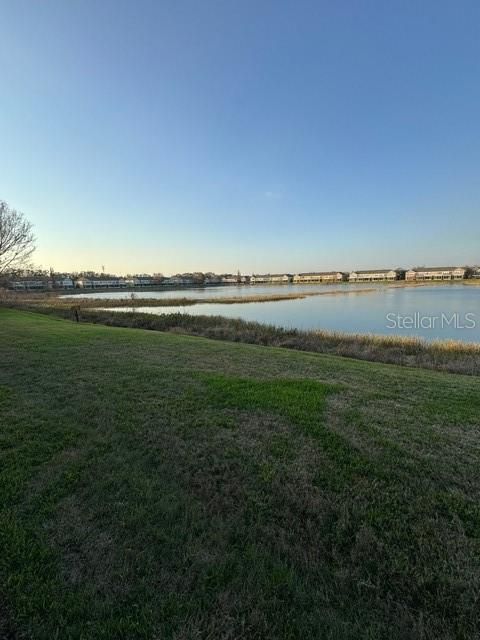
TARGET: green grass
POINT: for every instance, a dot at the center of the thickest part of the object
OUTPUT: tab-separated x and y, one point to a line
161	486
441	355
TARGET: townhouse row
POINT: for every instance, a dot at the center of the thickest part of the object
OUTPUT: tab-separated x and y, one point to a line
39	283
45	283
369	275
421	274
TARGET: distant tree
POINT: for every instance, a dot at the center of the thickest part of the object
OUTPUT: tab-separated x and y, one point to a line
17	242
198	277
53	281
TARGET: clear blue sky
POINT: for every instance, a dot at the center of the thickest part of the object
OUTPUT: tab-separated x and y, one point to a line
260	135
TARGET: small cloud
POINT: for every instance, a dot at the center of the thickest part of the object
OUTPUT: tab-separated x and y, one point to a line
273	195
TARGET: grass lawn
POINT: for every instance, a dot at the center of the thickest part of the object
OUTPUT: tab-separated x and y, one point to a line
160	486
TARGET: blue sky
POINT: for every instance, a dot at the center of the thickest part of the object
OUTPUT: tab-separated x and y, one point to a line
255	135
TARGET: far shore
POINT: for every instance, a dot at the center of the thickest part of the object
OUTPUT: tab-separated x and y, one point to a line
137	301
86	293
133	298
380	283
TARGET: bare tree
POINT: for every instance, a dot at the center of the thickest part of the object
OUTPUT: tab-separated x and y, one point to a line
17	242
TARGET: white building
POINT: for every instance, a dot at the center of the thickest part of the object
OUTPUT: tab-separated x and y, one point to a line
271	278
140	281
436	273
376	275
64	283
101	283
29	284
319	276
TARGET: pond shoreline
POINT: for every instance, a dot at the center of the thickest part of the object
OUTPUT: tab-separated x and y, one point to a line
137	301
380	310
441	355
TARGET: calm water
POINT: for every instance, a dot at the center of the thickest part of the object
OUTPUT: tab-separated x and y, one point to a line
222	291
431	312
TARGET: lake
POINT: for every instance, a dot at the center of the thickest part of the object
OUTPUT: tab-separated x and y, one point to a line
450	311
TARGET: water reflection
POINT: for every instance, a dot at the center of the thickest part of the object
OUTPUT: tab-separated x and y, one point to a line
431	312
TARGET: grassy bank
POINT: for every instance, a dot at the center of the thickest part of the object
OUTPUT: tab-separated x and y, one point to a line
452	356
154	485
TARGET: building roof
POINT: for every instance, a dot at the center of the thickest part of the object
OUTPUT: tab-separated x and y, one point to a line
374	270
101	279
417	269
319	273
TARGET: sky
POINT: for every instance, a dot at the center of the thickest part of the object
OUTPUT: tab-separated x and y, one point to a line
216	135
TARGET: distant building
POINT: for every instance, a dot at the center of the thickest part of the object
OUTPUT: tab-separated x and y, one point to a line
180	279
63	282
423	274
320	276
476	272
142	281
271	278
101	283
32	283
377	275
212	278
229	278
29	284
